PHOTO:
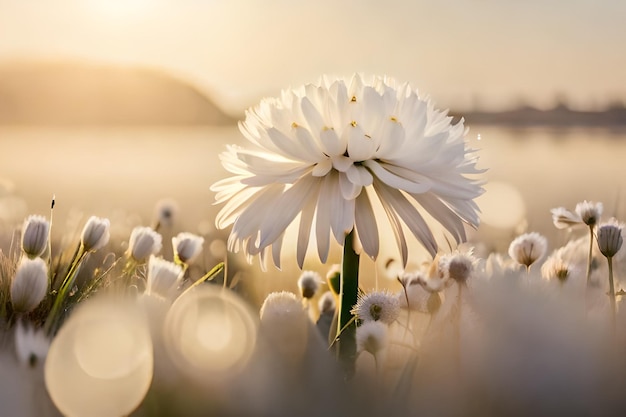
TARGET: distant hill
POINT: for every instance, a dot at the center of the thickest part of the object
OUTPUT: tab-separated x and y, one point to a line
81	94
560	116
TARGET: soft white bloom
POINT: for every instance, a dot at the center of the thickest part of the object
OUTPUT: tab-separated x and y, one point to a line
377	305
187	246
308	283
144	242
165	213
563	218
29	285
95	234
586	212
326	151
326	303
589	212
610	238
35	233
163	276
526	249
457	266
372	337
556	266
31	345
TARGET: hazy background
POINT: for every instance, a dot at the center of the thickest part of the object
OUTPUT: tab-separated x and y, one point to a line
463	52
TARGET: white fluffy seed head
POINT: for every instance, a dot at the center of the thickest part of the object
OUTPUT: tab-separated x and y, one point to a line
29	285
326	303
377	306
35	233
589	212
309	283
372	337
457	266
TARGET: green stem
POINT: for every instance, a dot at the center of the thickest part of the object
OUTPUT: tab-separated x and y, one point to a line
590	254
67	284
206	277
348	291
612	292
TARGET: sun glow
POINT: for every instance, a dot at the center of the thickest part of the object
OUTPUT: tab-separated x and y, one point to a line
120	9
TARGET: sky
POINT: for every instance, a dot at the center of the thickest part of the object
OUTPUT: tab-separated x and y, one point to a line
462	53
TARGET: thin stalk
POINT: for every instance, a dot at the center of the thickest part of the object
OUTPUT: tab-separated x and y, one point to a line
67	284
348	292
612	292
206	277
590	254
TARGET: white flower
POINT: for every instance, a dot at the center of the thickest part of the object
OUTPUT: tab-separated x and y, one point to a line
371	337
586	212
327	151
457	266
610	238
31	346
526	249
308	283
187	246
95	234
163	276
377	305
144	242
165	213
35	234
589	212
556	266
29	285
563	218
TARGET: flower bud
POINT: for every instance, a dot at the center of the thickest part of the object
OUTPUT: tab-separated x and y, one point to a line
95	234
29	285
610	238
144	242
35	235
163	276
187	247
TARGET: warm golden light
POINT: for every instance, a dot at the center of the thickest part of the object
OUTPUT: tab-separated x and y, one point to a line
119	9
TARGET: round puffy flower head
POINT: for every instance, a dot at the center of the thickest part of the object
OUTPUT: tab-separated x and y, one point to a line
144	242
377	305
331	151
35	235
187	246
526	249
556	267
457	266
589	212
326	303
372	337
308	283
95	234
610	238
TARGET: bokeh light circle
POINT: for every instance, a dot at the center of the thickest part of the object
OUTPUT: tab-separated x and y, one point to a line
101	361
210	333
502	205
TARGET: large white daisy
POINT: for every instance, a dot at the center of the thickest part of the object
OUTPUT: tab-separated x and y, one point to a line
326	150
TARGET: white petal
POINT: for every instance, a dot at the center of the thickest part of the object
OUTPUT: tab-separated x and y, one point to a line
395	181
322	218
342	163
313	117
366	225
332	144
359	176
360	146
409	215
443	214
285	209
291	147
322	168
306	219
349	190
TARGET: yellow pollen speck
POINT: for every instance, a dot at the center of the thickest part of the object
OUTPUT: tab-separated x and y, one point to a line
393	119
325	128
353	99
353	123
294	125
368	136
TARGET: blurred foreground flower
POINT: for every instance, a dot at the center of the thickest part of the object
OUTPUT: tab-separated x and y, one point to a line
35	236
324	151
